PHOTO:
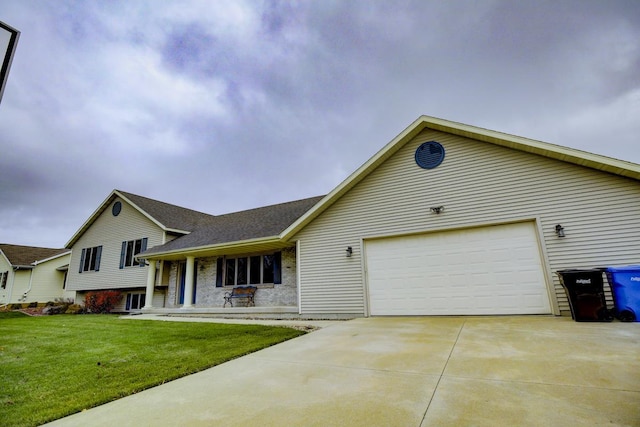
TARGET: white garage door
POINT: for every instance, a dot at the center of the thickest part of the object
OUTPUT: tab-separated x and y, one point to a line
486	270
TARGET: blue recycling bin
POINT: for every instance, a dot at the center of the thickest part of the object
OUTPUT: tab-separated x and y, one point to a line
625	287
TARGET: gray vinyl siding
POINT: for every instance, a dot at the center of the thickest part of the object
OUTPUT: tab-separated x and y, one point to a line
109	232
478	183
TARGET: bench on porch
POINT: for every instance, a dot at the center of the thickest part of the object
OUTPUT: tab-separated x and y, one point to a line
246	292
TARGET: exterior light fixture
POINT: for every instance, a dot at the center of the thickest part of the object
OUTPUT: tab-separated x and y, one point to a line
437	210
349	251
560	230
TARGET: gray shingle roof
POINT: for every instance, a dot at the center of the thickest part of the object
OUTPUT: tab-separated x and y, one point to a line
245	225
26	255
171	216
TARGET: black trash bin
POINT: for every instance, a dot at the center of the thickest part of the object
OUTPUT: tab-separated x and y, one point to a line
585	291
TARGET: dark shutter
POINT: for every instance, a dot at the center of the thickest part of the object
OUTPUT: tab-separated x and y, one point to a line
277	268
141	261
84	251
128	305
98	256
122	253
219	264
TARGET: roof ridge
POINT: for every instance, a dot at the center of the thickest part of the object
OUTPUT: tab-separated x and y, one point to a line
127	194
269	206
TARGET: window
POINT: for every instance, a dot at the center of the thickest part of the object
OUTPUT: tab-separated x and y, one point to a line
249	270
135	301
129	250
3	279
90	259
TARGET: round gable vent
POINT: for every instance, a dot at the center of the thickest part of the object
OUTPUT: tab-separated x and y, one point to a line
429	155
116	208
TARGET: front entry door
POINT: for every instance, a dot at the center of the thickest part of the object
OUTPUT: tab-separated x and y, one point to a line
182	267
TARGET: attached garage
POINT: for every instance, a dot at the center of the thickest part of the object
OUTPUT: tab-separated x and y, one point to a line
485	270
450	219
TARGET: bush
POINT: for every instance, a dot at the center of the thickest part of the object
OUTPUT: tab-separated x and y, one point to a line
53	309
16	306
101	301
33	304
74	309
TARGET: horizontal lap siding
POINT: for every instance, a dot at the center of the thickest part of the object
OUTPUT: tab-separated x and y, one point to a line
478	183
110	232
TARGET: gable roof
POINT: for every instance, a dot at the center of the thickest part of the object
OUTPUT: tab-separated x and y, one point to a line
168	217
29	256
565	154
254	226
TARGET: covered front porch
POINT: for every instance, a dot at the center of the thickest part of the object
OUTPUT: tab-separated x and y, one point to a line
196	284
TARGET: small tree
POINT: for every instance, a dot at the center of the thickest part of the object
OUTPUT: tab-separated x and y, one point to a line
102	301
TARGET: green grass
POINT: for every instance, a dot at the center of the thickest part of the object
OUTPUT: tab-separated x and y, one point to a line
53	366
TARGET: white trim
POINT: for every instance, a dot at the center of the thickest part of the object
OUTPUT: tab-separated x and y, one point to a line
532	233
569	155
51	258
365	279
548	274
103	207
298	275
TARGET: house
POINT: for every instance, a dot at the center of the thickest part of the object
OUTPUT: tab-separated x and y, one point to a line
446	219
32	274
105	247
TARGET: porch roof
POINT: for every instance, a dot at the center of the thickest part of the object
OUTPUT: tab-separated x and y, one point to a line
251	230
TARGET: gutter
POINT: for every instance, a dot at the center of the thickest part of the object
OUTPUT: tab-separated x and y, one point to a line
227	245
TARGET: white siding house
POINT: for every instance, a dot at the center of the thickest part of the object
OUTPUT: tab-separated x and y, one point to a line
104	249
446	219
32	274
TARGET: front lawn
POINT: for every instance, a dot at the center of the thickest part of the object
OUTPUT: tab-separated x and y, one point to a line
53	366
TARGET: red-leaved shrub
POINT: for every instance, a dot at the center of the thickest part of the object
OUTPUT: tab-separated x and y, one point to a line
101	301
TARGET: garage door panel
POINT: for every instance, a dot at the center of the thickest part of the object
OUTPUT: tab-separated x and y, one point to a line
489	270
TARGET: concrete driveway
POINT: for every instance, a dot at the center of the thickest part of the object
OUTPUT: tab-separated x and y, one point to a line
409	371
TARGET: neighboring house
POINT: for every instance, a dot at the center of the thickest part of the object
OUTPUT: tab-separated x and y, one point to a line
104	248
31	274
447	219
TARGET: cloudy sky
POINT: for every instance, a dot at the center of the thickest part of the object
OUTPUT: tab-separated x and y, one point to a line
221	106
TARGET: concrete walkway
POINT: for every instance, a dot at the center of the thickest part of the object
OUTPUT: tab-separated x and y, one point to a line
429	371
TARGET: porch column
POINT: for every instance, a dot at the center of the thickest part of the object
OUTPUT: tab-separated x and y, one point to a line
188	283
151	281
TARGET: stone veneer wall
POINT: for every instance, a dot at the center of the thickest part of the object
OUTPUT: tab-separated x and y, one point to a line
207	295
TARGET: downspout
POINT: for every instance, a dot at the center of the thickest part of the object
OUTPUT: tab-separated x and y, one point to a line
24	295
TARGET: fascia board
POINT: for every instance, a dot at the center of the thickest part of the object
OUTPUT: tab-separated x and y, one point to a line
51	258
143	212
103	206
566	154
545	149
387	151
272	240
5	257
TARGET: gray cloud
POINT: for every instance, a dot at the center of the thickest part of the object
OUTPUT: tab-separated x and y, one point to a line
231	105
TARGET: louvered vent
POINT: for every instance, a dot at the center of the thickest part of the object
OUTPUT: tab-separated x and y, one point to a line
429	155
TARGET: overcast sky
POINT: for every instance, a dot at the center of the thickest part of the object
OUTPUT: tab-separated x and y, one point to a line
221	106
